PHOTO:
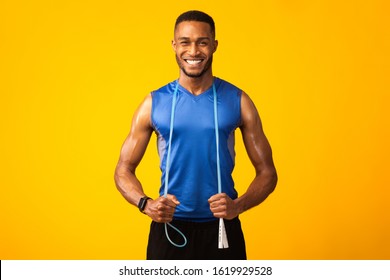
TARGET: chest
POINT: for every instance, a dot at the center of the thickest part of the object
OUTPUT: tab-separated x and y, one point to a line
194	116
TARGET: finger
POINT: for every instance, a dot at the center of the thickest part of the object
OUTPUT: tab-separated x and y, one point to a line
162	219
220	214
168	202
166	209
216	197
173	199
221	202
163	216
219	208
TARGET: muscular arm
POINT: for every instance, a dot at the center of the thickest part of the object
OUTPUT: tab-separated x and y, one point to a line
132	152
133	149
260	154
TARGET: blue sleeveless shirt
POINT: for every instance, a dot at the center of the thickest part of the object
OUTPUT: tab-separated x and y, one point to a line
193	169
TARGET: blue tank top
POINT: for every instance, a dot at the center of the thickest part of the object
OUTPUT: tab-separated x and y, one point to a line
193	169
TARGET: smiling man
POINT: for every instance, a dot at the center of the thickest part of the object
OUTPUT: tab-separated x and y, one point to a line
194	119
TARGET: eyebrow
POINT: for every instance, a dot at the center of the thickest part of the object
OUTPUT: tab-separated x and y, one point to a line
198	39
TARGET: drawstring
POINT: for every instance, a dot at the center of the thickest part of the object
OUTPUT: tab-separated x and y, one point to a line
222	237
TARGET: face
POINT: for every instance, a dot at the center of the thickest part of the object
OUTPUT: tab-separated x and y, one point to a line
194	45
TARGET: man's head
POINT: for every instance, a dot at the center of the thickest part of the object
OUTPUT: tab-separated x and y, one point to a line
197	16
194	43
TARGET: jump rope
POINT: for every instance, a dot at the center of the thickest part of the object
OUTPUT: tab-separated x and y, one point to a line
222	237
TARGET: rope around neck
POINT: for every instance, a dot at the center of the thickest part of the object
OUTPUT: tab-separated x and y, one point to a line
222	237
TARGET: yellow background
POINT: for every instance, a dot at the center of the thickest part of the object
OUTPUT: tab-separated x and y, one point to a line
73	72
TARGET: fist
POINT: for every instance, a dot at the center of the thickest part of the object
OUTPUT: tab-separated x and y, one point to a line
161	210
222	206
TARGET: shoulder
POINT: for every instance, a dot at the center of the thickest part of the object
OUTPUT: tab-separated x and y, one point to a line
143	111
162	97
226	86
246	100
166	89
249	113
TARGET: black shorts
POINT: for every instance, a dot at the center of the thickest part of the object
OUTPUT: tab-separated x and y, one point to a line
202	241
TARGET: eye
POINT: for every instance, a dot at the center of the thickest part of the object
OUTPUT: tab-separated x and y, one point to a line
184	43
203	43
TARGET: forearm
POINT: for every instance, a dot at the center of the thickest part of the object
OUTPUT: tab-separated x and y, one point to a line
261	187
128	185
160	210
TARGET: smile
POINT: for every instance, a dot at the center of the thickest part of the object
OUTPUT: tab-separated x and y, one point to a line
193	61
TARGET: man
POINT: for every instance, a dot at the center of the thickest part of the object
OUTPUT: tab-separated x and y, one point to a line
197	151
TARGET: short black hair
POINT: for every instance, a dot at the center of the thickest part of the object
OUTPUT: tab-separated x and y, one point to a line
196	16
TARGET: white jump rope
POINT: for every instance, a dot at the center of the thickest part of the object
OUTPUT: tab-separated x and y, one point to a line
222	237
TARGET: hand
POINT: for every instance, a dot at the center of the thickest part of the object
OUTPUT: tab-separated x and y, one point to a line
223	206
162	209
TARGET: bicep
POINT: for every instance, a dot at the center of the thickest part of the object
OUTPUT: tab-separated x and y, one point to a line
137	141
255	141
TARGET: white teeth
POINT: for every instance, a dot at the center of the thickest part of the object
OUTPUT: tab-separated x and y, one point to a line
193	62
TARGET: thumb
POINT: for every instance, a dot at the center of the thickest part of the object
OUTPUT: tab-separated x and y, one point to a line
173	198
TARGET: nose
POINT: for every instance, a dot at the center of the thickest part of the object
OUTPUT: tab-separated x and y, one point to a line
193	49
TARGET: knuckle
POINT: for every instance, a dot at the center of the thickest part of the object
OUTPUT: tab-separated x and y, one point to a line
160	207
160	213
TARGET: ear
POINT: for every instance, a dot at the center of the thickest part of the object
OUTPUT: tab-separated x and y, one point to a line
215	46
174	45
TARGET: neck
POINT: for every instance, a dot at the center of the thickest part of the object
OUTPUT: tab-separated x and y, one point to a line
196	85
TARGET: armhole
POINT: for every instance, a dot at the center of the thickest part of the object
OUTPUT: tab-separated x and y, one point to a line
152	125
239	107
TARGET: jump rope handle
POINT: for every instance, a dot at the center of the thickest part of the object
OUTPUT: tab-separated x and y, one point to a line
222	236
